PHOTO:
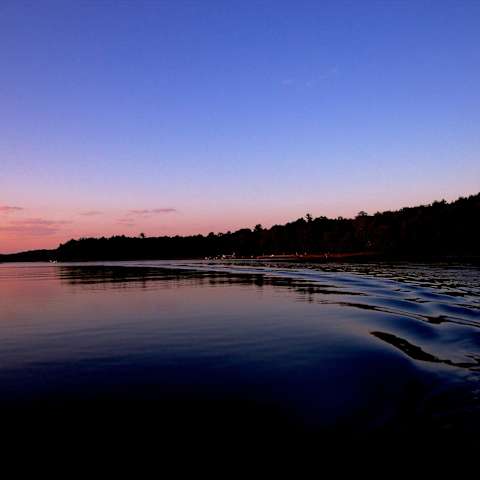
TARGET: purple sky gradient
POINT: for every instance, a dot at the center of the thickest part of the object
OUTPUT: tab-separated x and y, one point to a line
181	117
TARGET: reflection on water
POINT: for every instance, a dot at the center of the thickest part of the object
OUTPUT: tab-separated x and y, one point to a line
342	349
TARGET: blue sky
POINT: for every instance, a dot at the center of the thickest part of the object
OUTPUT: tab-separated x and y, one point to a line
231	113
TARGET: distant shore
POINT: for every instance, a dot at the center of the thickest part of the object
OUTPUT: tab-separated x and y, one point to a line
314	258
440	231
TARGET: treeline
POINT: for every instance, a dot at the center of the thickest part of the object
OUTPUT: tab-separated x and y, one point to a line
30	256
440	229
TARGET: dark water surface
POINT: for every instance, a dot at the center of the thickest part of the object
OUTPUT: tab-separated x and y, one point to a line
264	348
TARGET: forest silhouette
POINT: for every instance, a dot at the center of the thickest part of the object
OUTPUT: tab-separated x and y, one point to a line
438	230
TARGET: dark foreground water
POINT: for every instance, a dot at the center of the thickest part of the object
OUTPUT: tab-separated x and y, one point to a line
226	349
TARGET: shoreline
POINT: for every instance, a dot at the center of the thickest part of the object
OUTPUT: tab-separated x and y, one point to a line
325	258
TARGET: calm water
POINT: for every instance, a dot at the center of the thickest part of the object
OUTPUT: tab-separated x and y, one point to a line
340	349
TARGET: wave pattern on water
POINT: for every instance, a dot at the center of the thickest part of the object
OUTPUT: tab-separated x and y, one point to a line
385	341
425	293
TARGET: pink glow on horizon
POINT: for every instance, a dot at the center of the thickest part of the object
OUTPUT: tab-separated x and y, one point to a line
24	228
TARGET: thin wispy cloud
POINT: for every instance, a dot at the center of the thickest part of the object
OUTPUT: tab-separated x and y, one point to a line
152	211
144	213
312	80
9	209
139	212
126	222
91	213
164	210
39	221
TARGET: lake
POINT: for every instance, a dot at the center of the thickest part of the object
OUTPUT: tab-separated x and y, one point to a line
263	347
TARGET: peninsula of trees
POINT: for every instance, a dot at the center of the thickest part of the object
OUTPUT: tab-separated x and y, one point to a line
440	230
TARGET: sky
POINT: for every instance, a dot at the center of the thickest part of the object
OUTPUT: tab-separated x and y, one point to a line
179	117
